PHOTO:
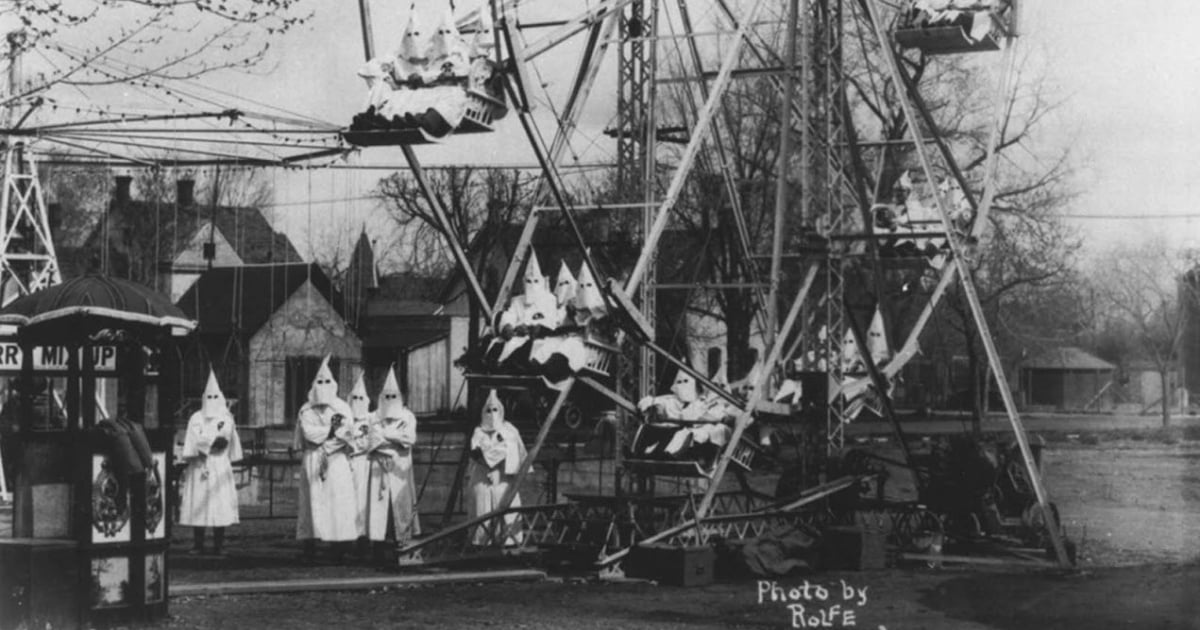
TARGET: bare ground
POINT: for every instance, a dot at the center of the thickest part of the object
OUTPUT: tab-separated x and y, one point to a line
1133	506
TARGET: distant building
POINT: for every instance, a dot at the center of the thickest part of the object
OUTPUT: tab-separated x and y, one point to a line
167	244
265	329
1067	378
402	323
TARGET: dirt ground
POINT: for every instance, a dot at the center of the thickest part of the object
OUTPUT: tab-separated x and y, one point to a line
1132	505
1154	596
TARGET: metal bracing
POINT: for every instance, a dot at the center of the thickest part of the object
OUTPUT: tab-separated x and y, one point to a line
960	262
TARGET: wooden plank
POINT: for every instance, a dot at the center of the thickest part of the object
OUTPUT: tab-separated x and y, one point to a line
352	584
980	560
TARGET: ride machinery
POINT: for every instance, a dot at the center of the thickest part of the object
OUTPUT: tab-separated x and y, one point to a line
843	225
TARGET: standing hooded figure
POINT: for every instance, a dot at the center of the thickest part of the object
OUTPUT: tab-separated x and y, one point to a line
393	488
208	496
496	455
360	445
326	504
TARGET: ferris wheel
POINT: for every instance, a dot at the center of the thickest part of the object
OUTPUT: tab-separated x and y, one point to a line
860	214
837	219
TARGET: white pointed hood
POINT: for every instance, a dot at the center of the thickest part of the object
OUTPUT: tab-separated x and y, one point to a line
493	413
565	287
360	404
484	40
447	44
588	298
324	389
684	387
877	340
391	401
535	283
412	42
214	403
851	357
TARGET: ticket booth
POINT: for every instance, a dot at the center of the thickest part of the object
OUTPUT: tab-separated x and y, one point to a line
89	375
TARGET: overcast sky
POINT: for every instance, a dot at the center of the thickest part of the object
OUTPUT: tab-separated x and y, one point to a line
1132	76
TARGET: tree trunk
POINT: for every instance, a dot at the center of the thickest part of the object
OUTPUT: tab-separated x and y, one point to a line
974	390
1164	377
737	335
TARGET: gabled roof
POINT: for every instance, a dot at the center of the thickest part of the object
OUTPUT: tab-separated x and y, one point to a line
228	300
1067	358
247	230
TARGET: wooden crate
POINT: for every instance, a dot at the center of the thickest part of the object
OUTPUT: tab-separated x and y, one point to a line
678	566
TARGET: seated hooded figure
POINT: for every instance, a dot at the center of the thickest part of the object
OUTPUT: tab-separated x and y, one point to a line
589	302
497	452
208	495
532	314
393	488
361	441
412	58
563	353
448	51
326	505
680	419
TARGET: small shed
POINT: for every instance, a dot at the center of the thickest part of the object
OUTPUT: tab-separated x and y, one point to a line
1067	378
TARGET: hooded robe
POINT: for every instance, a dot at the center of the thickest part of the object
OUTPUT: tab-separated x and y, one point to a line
565	353
533	313
589	302
393	487
208	496
496	455
361	442
701	419
326	507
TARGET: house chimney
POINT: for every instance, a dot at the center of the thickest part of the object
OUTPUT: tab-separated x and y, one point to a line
122	192
185	192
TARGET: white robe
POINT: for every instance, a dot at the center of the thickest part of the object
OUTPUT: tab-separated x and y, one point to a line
392	484
503	452
326	506
208	496
360	469
539	310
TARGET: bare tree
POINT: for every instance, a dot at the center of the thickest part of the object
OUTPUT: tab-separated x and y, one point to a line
483	206
1149	288
91	44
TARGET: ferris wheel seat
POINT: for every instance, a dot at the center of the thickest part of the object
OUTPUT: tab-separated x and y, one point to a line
963	27
427	125
945	40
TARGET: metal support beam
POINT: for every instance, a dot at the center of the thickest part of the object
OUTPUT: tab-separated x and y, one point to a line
968	287
699	135
758	393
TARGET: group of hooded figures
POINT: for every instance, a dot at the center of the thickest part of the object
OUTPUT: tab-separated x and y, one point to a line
356	466
544	332
683	424
424	83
